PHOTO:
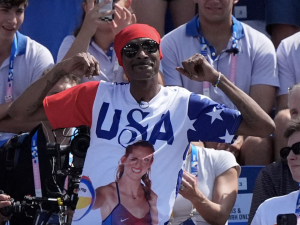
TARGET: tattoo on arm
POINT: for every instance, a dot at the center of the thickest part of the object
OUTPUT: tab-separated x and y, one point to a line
39	102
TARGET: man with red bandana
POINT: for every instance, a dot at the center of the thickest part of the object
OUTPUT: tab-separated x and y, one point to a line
121	114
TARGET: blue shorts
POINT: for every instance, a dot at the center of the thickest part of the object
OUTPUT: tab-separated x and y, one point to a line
282	12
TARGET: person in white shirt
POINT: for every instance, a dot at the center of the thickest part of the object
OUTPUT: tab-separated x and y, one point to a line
267	212
22	61
97	37
212	194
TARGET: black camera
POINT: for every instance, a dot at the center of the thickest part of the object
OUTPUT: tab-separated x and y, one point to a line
78	146
81	141
61	181
15	207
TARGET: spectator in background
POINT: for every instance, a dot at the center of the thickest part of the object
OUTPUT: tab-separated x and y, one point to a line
269	209
282	19
153	12
276	178
22	175
210	191
97	37
28	60
288	54
242	54
139	53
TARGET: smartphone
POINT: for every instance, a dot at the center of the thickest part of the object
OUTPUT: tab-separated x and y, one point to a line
287	219
107	7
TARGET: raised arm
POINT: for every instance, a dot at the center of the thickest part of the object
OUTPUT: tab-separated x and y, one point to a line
256	122
88	29
122	18
29	105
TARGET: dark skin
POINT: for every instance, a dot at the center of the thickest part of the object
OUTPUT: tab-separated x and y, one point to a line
142	71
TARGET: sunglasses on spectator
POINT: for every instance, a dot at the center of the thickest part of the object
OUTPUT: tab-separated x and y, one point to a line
148	46
284	152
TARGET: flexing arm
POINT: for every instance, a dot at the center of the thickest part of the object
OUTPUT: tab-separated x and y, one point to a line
224	195
4	110
29	105
8	125
255	121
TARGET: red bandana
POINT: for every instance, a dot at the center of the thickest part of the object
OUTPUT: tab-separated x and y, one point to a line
132	32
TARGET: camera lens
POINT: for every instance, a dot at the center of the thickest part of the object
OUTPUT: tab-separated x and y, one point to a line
80	144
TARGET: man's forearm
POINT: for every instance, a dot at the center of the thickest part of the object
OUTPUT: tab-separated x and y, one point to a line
32	98
8	125
4	110
258	123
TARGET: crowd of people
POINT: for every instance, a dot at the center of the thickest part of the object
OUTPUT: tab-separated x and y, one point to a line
171	117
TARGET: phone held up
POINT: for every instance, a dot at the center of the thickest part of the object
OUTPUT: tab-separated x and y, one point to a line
107	7
287	219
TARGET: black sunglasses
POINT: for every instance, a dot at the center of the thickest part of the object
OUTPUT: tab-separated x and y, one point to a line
284	152
148	46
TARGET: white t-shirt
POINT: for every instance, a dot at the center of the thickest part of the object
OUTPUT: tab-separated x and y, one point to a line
256	60
211	163
110	70
267	212
174	118
30	62
288	55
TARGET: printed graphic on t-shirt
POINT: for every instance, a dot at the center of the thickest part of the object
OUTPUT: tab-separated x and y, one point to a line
139	186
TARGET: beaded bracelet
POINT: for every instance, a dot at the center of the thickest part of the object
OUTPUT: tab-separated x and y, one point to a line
218	81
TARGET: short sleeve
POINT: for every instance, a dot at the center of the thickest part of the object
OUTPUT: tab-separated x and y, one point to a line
211	121
257	218
264	67
286	74
42	59
169	62
72	107
224	160
64	47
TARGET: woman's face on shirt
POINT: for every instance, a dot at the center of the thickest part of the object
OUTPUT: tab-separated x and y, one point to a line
138	162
